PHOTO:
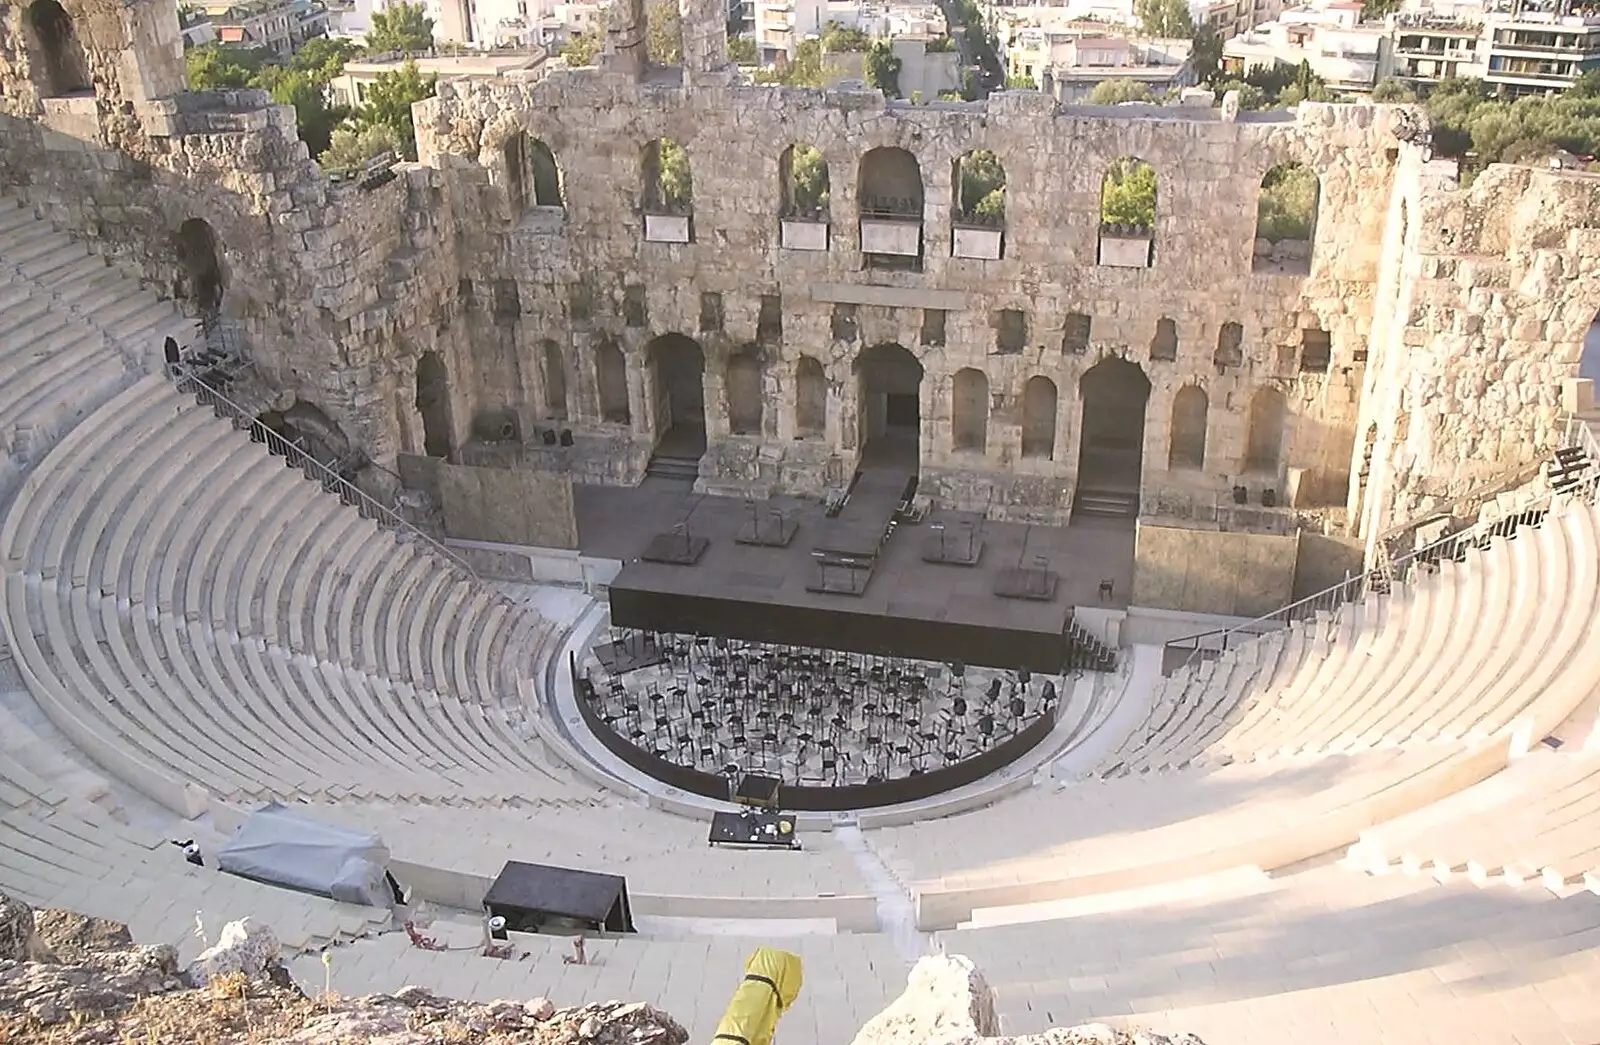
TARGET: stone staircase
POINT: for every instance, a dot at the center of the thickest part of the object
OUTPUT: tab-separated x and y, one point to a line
678	468
1105	504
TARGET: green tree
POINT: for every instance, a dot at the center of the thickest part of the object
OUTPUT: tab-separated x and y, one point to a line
1164	19
1390	89
664	39
982	182
841	38
214	67
1115	92
940	44
581	50
674	181
389	101
314	118
1207	53
1128	194
323	58
742	50
1019	83
883	68
1250	96
1377	10
1287	206
803	70
808	180
400	27
1586	85
353	145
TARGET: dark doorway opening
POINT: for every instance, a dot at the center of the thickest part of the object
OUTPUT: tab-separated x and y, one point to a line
203	279
1111	443
433	403
677	370
889	405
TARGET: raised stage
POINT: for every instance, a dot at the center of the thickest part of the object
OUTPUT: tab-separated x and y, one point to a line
909	607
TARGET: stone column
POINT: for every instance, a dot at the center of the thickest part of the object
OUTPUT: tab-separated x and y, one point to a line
705	41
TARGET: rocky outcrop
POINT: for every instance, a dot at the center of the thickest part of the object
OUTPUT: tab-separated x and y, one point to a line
246	947
70	936
947	1002
16	930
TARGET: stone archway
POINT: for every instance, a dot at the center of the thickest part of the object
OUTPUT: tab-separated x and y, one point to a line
1111	440
203	278
309	428
62	66
889	404
677	376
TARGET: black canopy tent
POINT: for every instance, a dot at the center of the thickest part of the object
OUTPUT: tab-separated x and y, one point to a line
530	896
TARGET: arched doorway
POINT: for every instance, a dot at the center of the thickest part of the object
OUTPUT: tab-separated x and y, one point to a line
309	428
433	403
203	278
65	70
677	373
1111	440
889	404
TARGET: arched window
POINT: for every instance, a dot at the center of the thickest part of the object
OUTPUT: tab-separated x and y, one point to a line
980	184
555	380
433	403
1187	443
803	182
1128	214
1286	219
203	279
1039	418
811	398
889	191
744	391
668	182
63	68
611	378
1264	435
1230	342
1164	346
532	177
969	411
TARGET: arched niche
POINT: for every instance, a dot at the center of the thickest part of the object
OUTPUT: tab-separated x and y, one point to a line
1264	431
889	403
611	383
890	194
677	376
743	387
203	278
308	427
1039	418
1230	346
554	369
811	398
433	404
1286	220
1164	345
969	411
668	181
1187	436
1115	392
1128	199
62	68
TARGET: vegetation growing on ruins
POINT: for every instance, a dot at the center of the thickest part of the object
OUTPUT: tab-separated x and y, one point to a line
982	186
808	180
403	27
1287	207
882	68
1115	92
351	146
1128	194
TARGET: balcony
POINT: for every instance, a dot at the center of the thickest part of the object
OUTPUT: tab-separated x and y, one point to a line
668	228
803	233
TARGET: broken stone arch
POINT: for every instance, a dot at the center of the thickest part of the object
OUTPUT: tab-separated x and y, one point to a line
61	67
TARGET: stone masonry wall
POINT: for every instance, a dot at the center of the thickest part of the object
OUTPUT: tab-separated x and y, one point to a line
1453	314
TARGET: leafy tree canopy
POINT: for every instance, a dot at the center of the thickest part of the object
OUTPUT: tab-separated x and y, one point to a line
1287	206
1467	116
742	50
982	185
839	38
883	68
352	146
389	101
582	49
1390	89
401	26
323	58
803	70
1114	92
664	34
1166	19
1128	195
808	180
214	67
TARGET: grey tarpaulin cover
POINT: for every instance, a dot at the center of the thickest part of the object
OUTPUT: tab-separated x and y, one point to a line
278	846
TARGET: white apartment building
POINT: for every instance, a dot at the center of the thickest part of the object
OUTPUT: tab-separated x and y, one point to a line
1522	46
1348	56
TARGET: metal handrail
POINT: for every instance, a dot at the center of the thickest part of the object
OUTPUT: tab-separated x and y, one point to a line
369	506
1397	569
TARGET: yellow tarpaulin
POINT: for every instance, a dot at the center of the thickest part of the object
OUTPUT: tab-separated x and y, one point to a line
771	984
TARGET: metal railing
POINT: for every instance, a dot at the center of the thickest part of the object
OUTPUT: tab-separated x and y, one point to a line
331	481
1393	570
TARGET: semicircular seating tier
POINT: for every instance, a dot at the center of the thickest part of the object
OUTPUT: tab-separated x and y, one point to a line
1291	745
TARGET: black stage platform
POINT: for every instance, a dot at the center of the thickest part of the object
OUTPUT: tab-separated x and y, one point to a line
909	608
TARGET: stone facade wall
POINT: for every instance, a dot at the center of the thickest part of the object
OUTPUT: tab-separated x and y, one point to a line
1450	326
